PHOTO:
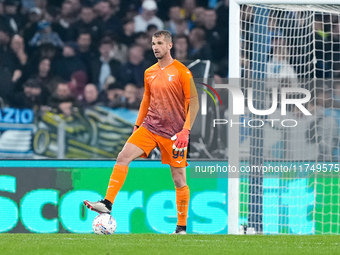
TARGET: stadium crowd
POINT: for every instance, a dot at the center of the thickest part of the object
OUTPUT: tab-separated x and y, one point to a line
57	55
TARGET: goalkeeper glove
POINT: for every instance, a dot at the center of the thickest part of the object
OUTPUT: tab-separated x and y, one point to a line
182	140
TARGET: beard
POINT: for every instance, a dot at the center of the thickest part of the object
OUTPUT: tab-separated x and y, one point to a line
160	56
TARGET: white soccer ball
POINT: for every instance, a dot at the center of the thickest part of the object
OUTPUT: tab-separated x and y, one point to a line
104	224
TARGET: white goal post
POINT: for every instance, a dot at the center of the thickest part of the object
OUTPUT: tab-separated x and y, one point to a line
234	156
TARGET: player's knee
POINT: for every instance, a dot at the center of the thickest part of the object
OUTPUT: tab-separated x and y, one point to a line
123	158
179	180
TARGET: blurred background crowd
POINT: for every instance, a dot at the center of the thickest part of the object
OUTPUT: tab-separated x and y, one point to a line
57	55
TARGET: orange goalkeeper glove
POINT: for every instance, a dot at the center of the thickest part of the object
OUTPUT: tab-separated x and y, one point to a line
182	140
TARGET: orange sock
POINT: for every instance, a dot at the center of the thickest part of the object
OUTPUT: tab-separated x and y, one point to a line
182	201
117	179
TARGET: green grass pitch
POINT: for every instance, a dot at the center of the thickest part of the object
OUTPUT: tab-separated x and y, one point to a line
164	244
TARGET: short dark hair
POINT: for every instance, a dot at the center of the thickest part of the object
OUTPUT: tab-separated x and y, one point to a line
140	35
115	85
84	32
181	36
126	21
167	35
87	5
151	26
106	40
32	83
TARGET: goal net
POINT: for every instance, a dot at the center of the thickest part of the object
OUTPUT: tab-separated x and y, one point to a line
289	183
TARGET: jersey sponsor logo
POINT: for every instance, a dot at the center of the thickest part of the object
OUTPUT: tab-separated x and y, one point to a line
170	76
179	161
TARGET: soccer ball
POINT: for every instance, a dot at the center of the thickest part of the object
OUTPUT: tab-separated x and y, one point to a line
104	224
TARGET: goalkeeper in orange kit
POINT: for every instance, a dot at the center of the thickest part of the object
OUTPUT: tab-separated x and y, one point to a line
167	112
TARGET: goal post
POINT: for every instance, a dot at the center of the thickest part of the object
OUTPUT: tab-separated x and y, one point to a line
277	44
233	134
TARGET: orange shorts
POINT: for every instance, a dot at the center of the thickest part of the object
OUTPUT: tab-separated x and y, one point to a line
147	141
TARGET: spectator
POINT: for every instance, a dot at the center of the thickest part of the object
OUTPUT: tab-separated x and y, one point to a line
279	72
150	30
188	7
116	9
198	17
131	96
215	35
70	62
44	77
8	58
114	96
128	32
45	34
175	20
4	20
143	40
11	9
222	11
34	16
133	70
200	48
62	100
46	50
51	14
108	81
18	47
77	84
86	53
140	94
104	66
181	47
76	7
182	27
84	42
131	9
90	96
88	23
109	22
119	50
163	7
33	96
66	20
147	17
41	4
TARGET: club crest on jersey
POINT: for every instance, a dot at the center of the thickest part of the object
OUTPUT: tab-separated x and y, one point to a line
170	76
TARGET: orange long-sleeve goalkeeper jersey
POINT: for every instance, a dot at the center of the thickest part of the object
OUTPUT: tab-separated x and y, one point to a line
168	92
